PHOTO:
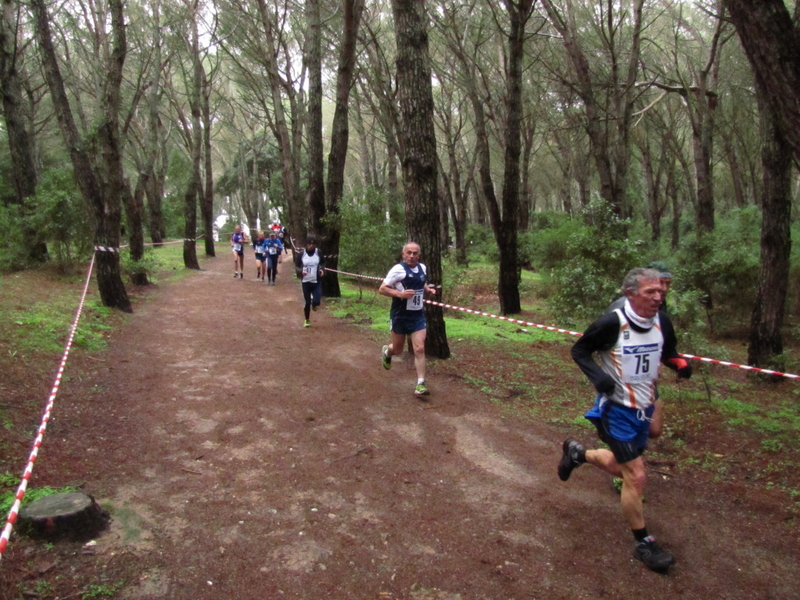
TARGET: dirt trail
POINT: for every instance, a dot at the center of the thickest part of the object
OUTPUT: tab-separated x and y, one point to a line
247	457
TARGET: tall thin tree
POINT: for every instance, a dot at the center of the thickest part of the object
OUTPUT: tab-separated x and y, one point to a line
415	97
340	135
100	185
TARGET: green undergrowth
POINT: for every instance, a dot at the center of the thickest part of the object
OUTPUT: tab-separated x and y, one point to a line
166	262
364	305
44	325
780	421
8	489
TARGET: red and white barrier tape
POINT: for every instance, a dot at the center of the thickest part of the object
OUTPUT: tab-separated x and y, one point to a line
510	320
725	363
355	274
26	476
714	361
116	250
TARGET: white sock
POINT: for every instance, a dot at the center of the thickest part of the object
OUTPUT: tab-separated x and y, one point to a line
420	380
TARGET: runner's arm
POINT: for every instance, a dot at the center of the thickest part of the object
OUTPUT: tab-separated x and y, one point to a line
387	287
600	336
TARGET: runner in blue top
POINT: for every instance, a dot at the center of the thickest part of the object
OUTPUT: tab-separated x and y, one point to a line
261	255
273	249
238	241
406	284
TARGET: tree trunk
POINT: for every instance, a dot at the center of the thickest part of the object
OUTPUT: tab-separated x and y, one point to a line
194	187
364	154
419	152
740	199
675	230
285	138
157	151
74	516
508	286
106	206
766	340
340	136
315	193
702	139
133	211
772	44
20	141
207	199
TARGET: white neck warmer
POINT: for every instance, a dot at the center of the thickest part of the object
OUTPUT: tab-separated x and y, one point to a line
636	319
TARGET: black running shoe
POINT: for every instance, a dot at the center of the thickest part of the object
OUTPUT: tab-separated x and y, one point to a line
570	458
652	555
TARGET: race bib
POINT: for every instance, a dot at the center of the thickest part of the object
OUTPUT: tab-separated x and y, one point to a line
640	363
415	302
237	247
273	250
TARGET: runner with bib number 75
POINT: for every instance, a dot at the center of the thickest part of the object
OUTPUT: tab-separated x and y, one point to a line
630	343
406	284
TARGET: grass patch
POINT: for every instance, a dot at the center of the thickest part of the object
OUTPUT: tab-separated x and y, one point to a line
166	262
44	326
780	422
364	305
8	491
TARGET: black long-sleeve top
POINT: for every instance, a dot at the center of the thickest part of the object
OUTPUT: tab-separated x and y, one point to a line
602	335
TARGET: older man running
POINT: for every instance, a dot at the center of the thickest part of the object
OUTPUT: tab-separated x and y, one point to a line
630	343
406	284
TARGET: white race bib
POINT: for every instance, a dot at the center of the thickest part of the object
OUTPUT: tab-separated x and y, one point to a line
415	302
640	363
273	250
237	247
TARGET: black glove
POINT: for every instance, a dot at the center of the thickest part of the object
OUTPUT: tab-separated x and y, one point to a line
605	385
682	367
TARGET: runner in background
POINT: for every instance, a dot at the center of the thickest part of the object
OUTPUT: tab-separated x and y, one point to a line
261	256
283	236
630	343
310	268
238	240
273	249
406	284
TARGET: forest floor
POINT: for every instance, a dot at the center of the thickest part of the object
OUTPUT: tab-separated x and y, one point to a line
244	456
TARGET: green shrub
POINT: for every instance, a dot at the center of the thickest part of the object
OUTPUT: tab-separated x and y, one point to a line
57	215
149	264
595	259
481	243
62	219
370	243
723	266
13	250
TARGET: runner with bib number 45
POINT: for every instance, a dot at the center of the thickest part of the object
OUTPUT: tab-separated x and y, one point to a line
406	284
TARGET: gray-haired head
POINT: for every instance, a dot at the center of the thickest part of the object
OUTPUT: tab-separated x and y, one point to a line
635	277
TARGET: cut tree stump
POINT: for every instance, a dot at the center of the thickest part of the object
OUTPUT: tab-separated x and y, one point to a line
72	515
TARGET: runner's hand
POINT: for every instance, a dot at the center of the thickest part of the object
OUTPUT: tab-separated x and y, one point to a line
683	368
605	385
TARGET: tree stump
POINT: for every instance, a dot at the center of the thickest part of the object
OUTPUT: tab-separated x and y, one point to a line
72	515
